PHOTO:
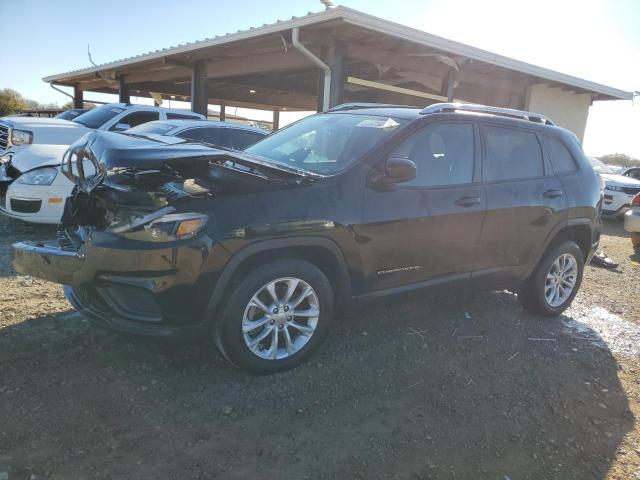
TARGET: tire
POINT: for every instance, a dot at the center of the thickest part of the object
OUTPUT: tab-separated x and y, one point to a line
295	345
532	295
635	240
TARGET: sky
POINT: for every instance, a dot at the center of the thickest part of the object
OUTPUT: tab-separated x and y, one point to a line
598	40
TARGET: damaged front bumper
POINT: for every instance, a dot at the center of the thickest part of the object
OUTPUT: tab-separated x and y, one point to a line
148	289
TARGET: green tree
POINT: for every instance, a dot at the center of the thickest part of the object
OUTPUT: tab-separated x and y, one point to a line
11	102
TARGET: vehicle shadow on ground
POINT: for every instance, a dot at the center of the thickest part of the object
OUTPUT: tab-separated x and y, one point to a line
439	386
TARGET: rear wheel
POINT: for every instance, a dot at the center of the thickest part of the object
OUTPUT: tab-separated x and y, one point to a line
276	316
635	240
555	282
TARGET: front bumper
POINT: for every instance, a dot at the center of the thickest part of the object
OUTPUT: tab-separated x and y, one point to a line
616	203
105	318
136	287
33	203
632	220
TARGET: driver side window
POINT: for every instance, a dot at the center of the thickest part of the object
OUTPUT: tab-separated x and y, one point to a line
443	154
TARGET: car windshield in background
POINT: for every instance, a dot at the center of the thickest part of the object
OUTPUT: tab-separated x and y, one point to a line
70	114
157	128
600	167
98	116
326	143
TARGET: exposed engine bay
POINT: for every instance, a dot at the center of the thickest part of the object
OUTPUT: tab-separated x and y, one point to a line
141	180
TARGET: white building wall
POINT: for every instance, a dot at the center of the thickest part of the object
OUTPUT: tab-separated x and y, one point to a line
567	109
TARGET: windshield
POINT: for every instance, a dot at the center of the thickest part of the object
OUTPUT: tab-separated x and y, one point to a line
158	128
600	167
326	143
98	116
70	114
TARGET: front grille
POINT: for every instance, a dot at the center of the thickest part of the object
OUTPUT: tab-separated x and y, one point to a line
25	206
4	136
631	190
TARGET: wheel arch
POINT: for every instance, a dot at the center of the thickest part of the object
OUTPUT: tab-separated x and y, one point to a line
321	252
578	230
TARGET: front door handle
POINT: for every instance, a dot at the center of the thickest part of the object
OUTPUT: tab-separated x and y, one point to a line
468	201
553	193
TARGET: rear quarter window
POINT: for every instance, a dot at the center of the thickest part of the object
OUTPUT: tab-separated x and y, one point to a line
510	154
560	156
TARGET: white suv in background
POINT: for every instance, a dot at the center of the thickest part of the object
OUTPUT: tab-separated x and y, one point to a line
618	191
17	133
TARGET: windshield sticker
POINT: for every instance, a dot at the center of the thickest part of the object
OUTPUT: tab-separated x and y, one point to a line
117	110
369	123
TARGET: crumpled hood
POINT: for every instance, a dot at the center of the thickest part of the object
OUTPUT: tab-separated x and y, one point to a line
620	180
36	156
111	152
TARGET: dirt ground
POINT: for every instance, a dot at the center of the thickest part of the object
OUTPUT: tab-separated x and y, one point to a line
464	386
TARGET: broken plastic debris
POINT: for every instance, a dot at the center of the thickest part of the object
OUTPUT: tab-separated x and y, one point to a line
600	259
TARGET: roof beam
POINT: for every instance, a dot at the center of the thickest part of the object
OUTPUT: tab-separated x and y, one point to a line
268	62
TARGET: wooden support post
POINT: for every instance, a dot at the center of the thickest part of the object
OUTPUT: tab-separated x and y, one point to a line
337	61
449	85
123	91
199	98
78	101
223	112
276	119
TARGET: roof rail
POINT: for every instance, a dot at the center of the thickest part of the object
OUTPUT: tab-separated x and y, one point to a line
498	111
357	105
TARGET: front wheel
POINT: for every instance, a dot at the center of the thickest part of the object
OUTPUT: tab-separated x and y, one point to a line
555	282
277	315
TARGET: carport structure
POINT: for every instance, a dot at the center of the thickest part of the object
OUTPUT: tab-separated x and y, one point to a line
339	55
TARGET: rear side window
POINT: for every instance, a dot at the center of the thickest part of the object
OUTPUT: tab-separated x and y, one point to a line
182	116
443	154
241	139
510	154
212	136
560	157
138	118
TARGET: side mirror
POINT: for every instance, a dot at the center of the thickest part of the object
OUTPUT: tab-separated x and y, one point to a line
121	127
398	170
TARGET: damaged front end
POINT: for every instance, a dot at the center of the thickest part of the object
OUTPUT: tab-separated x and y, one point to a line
136	248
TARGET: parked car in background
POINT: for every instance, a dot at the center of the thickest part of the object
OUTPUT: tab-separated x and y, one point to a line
619	190
222	134
71	113
631	172
632	221
33	189
17	133
256	249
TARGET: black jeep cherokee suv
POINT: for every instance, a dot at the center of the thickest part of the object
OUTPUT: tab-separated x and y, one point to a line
255	249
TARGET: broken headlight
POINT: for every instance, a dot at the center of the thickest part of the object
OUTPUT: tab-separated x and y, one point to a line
39	176
169	228
21	137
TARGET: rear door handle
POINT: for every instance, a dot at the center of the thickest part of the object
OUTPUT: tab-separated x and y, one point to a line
553	193
468	201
